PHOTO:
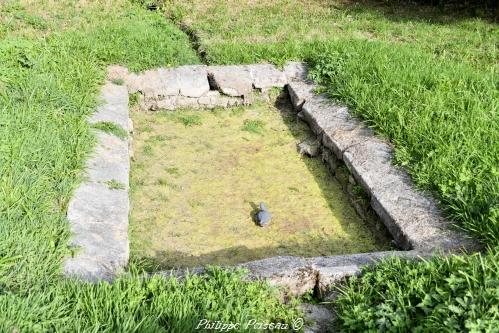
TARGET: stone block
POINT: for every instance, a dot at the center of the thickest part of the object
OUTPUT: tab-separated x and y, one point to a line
97	212
110	160
193	80
318	318
266	76
186	102
114	107
315	111
98	218
296	71
231	80
299	93
294	273
116	72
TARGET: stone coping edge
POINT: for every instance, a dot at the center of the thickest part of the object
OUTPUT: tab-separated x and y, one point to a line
300	275
411	216
98	210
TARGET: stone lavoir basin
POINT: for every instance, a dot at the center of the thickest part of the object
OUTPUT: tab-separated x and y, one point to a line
198	176
185	155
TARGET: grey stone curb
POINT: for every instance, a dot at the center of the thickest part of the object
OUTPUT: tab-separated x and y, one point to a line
98	211
300	275
411	216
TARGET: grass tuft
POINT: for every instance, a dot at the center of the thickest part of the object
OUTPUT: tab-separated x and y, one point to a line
189	120
113	184
253	126
111	128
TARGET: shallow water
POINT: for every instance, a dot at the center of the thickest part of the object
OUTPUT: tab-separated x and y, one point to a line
198	176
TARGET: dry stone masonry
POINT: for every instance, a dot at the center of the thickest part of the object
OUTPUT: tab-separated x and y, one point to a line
199	86
98	212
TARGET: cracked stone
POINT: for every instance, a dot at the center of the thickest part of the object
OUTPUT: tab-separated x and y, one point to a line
233	81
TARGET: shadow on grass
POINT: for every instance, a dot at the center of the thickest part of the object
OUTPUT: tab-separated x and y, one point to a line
240	254
430	11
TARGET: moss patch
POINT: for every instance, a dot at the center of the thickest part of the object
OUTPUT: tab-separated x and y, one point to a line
195	188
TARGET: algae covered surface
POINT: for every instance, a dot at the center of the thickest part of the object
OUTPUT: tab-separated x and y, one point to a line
199	175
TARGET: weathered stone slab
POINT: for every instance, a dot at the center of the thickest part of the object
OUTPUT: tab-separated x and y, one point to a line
159	83
309	148
231	80
209	100
299	92
193	80
319	112
340	139
98	217
98	211
412	217
318	318
167	103
266	76
337	128
114	108
186	102
133	83
214	99
296	71
292	272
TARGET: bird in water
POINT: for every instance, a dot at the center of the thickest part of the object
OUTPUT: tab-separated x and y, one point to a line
263	216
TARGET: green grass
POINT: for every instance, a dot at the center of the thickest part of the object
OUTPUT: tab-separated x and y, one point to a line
111	128
453	294
113	184
50	75
442	119
253	126
424	78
